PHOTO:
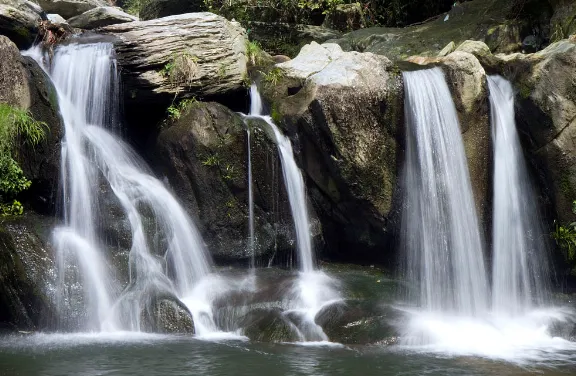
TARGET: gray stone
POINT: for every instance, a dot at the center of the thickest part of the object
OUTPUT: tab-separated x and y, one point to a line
70	8
343	110
99	17
19	21
189	55
56	18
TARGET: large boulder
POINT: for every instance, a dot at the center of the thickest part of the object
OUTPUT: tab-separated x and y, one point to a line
343	111
196	54
203	153
151	9
70	8
99	17
19	21
27	274
23	84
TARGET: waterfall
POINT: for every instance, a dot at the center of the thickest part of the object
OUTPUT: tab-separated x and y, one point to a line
171	262
313	290
250	203
519	261
440	232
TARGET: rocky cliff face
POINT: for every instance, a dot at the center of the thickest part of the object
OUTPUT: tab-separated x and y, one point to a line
343	111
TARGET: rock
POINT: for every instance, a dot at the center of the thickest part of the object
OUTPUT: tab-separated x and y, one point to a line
204	155
345	17
167	315
196	54
474	47
56	19
151	9
467	81
268	325
470	20
287	38
24	84
19	21
531	43
343	111
354	322
450	47
27	273
70	8
563	21
506	38
99	17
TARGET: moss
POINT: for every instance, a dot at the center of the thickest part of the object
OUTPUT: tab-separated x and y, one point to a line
566	186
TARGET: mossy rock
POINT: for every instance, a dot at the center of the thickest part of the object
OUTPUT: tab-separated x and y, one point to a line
268	325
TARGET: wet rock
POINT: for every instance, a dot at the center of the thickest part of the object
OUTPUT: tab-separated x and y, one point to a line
563	21
167	315
70	8
357	322
345	17
27	273
195	54
19	21
268	325
56	19
506	38
24	84
343	111
203	154
99	17
450	47
151	9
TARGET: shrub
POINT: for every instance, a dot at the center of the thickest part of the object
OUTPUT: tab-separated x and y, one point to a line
16	127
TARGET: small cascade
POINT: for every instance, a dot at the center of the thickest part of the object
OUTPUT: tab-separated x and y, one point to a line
313	290
519	260
251	240
171	262
440	232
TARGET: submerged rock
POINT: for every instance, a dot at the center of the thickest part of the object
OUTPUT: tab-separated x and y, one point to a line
343	111
167	315
23	84
19	21
268	325
99	17
195	54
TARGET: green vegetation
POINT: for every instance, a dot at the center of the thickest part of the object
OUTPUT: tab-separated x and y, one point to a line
16	127
565	238
212	160
175	111
273	76
181	69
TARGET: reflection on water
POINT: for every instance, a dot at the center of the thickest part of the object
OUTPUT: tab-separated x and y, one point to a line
146	354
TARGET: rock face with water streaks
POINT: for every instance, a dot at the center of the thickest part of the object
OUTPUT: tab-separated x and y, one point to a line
191	54
99	17
203	154
19	21
343	111
24	84
27	273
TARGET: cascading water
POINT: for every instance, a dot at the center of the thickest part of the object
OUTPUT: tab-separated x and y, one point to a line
440	232
313	289
171	263
519	267
444	259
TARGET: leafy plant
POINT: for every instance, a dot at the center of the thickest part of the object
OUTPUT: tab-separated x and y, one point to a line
181	69
273	76
565	238
212	160
175	111
16	126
